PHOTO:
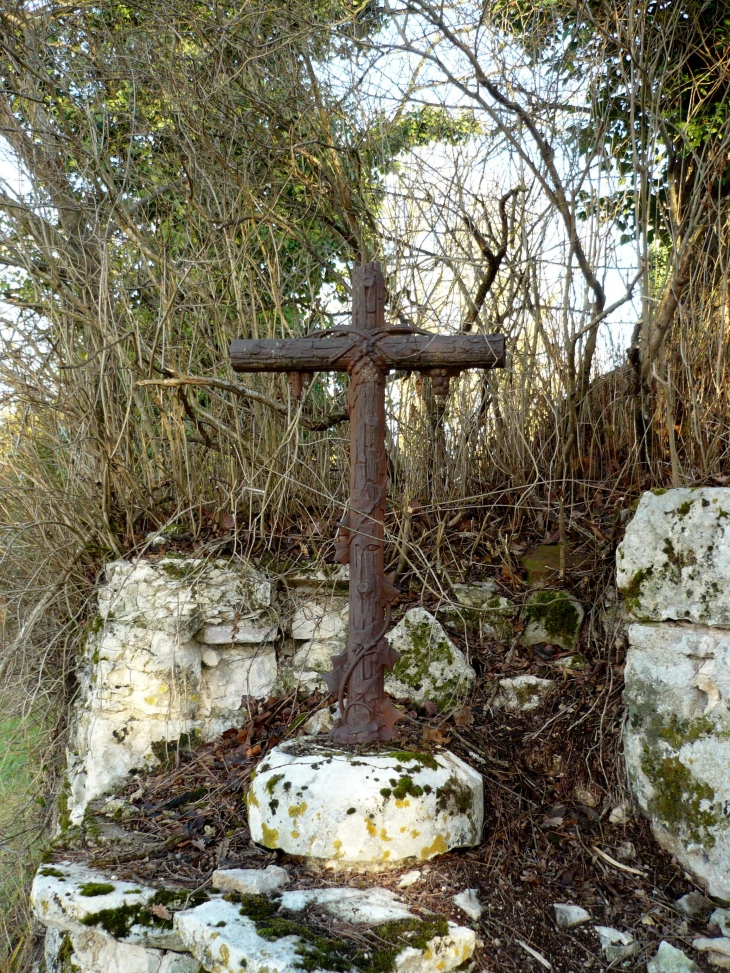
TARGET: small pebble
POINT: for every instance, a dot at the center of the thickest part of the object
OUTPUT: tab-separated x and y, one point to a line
616	945
721	918
468	902
410	878
669	959
567	915
695	905
717	950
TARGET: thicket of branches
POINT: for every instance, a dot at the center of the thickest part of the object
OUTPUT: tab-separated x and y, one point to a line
196	172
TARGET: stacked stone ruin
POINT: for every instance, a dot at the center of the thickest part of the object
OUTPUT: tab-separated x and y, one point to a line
181	649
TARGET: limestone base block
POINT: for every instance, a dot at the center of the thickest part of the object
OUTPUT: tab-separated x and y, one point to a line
263	936
365	809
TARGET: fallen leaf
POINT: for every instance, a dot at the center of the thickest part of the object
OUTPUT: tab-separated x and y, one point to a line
226	520
160	910
254	751
464	717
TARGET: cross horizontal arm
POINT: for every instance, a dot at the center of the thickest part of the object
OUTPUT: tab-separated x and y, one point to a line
336	351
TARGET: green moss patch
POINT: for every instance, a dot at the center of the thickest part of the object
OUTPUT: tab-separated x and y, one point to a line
556	612
90	889
118	922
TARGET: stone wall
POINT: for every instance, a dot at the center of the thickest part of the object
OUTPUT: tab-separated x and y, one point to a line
181	645
673	569
177	648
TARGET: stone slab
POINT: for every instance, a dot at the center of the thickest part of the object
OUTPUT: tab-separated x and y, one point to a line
222	936
371	809
250	881
674	560
677	743
80	900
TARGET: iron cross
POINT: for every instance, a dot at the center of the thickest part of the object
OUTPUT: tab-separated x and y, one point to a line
367	351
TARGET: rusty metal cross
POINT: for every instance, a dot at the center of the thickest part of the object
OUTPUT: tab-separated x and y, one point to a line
367	351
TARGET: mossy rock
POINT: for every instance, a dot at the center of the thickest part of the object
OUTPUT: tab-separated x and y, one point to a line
430	666
553	616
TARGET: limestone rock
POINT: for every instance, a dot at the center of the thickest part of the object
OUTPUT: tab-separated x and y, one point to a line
364	808
357	906
431	667
695	905
523	694
242	670
677	742
554	617
77	899
469	903
225	940
322	721
674	561
250	881
669	959
311	660
320	621
615	944
261	628
568	915
721	918
86	951
717	950
408	879
481	607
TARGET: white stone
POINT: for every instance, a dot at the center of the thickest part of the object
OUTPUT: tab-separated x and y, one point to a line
554	617
674	560
721	918
568	915
254	630
211	658
408	879
357	906
717	950
523	694
311	660
619	815
250	881
677	743
431	667
669	959
695	904
322	721
241	671
476	594
319	622
339	806
616	945
57	899
469	903
224	941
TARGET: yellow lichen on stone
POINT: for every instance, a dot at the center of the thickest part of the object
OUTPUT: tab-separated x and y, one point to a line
415	833
384	835
253	801
296	809
372	830
295	834
338	850
271	836
224	953
385	856
404	803
438	847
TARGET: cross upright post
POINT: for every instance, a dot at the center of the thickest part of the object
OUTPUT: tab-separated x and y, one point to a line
368	350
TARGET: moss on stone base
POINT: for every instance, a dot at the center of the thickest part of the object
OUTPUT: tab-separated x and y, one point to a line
556	613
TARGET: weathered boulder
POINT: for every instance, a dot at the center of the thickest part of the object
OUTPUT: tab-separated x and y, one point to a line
227	937
552	616
431	667
364	808
674	562
677	742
